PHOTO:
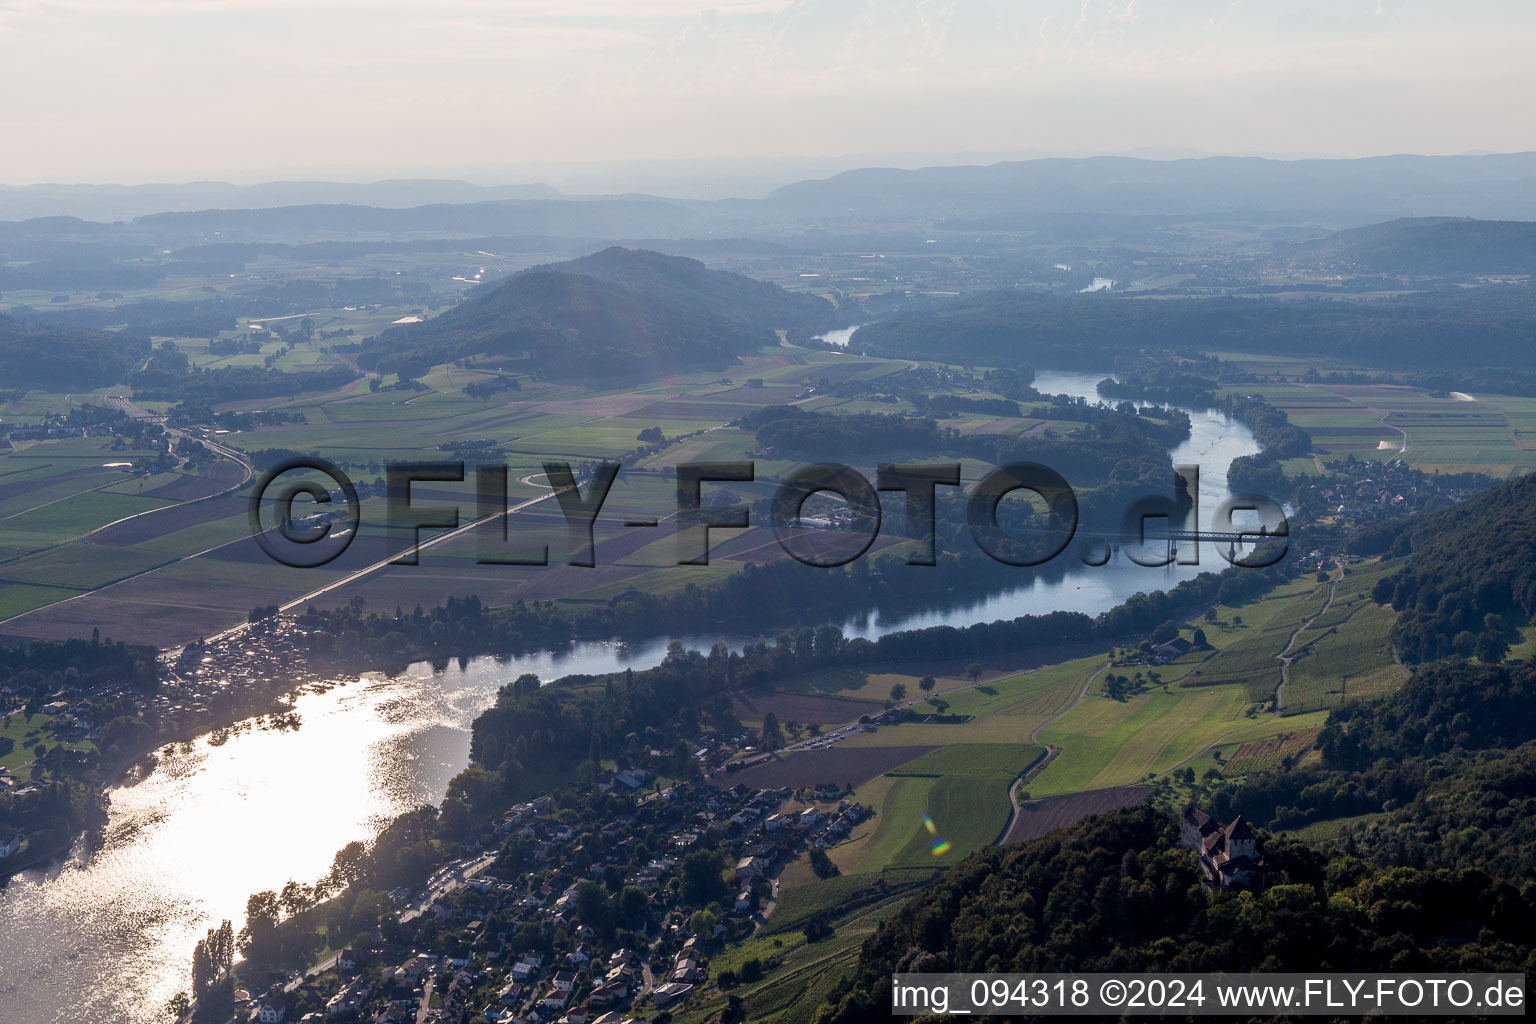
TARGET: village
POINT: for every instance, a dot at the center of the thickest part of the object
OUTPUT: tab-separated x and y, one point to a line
522	930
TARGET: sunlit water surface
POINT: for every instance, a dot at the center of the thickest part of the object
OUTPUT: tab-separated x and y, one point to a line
109	935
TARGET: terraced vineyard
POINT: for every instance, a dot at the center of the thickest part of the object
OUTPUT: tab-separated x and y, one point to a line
1267	754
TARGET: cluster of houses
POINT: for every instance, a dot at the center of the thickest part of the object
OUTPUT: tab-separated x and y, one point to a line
818	827
688	969
497	975
69	722
1363	491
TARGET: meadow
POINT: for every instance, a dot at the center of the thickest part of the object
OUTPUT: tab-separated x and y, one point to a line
1493	434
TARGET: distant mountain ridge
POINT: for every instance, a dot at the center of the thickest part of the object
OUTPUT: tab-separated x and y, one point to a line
1333	191
1499	185
121	202
619	313
594	218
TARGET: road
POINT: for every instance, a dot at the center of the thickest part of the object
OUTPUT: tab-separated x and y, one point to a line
223	450
1050	754
441	538
450	877
1285	657
314	972
442	882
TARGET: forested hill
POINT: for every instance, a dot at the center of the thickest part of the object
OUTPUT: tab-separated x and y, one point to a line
689	284
560	324
1433	867
1470	577
1116	893
1438	246
1491	327
65	358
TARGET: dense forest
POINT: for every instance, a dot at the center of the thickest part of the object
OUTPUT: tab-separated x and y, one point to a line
1261	472
167	378
1470	579
65	358
566	326
821	435
1115	447
688	284
1439	246
1161	381
1438	329
1116	893
616	314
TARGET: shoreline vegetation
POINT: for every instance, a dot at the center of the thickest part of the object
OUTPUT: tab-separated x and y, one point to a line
571	726
321	645
559	743
310	667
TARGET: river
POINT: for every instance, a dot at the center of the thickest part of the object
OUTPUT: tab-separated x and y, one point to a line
109	934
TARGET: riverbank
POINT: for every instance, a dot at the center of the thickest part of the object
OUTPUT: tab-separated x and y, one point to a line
212	823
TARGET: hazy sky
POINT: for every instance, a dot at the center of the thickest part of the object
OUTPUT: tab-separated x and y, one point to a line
130	90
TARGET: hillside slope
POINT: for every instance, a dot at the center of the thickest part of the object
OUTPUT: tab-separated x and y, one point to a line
1437	246
1116	893
617	314
1470	580
689	284
1373	188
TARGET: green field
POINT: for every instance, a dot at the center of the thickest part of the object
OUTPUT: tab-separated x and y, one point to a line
1332	828
1493	434
962	788
26	735
798	904
1202	704
1187	719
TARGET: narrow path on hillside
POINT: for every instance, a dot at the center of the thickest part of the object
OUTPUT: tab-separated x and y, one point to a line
1285	657
1285	661
1050	754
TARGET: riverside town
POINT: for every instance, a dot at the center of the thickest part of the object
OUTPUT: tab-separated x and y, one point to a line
766	511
